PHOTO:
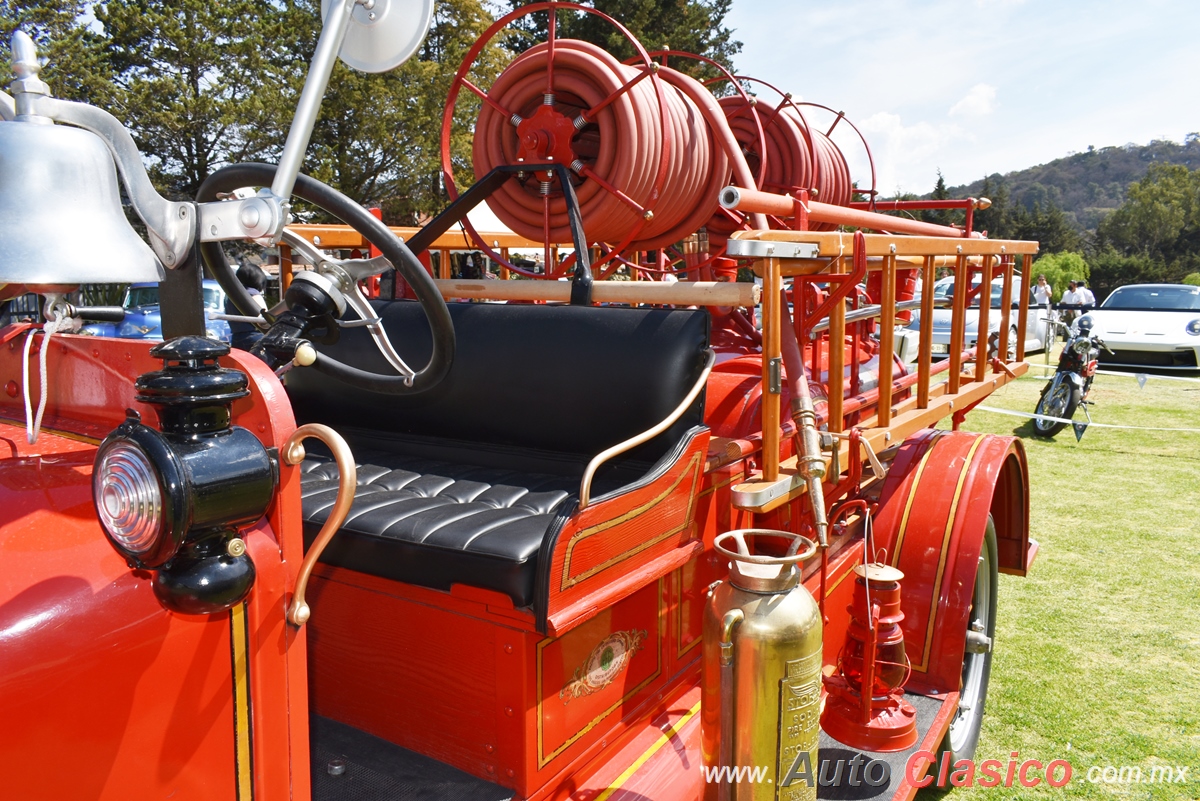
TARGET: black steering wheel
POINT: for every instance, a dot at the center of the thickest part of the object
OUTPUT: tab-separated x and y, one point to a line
343	287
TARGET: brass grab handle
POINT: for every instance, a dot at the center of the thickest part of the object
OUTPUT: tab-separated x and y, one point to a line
585	486
293	454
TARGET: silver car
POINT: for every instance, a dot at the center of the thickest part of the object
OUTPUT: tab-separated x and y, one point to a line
1036	325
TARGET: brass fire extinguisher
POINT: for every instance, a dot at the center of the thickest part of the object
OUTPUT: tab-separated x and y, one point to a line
761	697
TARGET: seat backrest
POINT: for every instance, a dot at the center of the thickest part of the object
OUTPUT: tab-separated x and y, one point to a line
566	379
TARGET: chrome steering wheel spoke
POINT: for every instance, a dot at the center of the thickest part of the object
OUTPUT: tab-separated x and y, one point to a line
358	301
346	274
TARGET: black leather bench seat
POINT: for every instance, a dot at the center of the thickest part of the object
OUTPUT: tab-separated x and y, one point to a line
465	483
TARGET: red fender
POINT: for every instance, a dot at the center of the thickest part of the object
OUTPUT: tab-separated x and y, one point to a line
932	516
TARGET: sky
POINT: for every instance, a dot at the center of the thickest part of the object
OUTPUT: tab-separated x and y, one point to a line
975	87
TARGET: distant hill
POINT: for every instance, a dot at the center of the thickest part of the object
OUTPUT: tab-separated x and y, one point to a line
1087	186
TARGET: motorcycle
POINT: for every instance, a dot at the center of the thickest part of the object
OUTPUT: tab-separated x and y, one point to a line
1068	389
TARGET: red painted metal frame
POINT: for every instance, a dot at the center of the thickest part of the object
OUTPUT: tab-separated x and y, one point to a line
467	679
619	544
99	670
839	116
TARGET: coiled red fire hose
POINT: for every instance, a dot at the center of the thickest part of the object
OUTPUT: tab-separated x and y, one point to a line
650	161
782	157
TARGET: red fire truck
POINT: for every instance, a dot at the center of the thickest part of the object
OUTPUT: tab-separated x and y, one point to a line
607	540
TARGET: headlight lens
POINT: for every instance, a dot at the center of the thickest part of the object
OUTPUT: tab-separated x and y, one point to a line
1193	328
128	497
1082	346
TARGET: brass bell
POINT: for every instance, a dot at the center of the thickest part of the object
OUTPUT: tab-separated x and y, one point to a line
61	221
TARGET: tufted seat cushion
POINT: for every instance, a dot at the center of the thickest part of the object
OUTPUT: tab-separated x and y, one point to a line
436	523
488	523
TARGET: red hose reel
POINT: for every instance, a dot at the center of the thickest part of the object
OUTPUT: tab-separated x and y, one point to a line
647	147
788	154
644	158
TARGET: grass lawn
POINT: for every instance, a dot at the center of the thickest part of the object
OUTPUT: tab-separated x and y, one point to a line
1097	657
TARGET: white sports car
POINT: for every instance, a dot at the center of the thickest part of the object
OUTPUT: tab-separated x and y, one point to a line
1150	325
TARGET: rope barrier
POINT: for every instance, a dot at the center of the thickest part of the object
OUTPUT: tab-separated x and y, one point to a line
1142	378
1089	424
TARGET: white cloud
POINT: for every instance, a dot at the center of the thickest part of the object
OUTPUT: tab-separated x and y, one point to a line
979	102
1053	63
901	152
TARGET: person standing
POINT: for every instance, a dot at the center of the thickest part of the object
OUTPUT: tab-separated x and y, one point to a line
1042	292
1071	302
1086	298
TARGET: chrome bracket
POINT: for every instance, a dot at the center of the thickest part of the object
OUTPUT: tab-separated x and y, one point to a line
775	376
244	218
762	249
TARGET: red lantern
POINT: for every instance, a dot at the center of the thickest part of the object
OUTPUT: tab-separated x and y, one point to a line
872	657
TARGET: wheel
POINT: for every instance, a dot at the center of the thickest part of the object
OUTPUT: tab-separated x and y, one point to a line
962	738
395	254
1060	399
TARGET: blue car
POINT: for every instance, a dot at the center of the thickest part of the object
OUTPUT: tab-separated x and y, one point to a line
143	320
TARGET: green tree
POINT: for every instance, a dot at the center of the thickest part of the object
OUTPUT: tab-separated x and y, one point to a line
1059	269
189	80
1192	278
1160	217
1046	225
203	83
941	216
692	26
77	67
996	219
1111	270
1155	235
378	135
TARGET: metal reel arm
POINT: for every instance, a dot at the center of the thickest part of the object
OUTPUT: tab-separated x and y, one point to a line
481	190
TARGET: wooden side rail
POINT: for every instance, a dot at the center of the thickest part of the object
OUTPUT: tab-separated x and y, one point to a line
761	496
832	244
821	259
343	236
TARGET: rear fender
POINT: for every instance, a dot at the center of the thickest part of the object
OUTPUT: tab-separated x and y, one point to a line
932	516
